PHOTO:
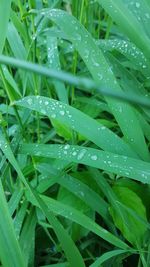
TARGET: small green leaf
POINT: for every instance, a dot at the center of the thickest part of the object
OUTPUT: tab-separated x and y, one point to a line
132	228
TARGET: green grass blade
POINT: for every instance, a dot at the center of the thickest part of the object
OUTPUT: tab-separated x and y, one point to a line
53	63
122	165
5	7
106	256
128	23
78	121
83	220
10	252
72	253
129	50
86	83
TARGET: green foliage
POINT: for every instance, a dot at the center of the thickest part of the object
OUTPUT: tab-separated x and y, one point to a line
127	221
74	133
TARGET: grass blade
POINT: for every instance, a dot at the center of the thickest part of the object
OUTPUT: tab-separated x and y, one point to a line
122	165
10	252
5	7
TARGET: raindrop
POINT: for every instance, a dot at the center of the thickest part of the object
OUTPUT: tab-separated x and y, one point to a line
94	157
62	112
81	154
29	101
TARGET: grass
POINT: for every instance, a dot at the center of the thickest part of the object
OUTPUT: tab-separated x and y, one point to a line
74	133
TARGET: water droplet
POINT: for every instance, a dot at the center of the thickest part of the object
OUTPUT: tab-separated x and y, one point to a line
137	4
53	116
81	154
94	157
46	103
62	112
29	101
67	146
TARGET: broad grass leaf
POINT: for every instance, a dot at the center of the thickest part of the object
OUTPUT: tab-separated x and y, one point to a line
132	229
110	162
78	121
142	191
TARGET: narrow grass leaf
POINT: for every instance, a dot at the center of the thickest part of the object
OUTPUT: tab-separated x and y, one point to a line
86	83
72	253
107	256
5	7
10	252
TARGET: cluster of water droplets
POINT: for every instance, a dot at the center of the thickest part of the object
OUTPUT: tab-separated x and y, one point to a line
126	48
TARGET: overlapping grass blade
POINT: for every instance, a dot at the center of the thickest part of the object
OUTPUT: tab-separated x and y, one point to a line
71	251
78	217
100	69
128	23
129	50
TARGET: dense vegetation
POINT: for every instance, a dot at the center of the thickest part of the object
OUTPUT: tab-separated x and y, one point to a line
74	133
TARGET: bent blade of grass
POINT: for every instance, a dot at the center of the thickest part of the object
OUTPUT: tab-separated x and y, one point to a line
5	7
72	253
128	24
129	50
10	252
107	256
122	165
79	122
101	72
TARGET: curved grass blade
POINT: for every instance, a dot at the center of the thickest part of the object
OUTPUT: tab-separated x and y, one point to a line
129	24
79	122
107	256
129	50
122	165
